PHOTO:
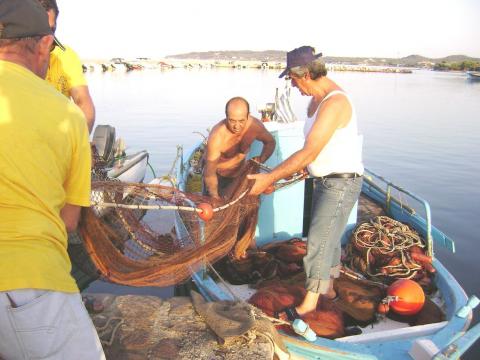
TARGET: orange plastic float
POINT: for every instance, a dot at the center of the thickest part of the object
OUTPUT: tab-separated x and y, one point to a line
410	297
207	211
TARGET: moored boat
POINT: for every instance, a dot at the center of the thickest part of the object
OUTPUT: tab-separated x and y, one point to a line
284	214
473	75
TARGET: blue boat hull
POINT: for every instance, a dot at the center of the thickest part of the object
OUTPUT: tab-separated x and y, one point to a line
446	339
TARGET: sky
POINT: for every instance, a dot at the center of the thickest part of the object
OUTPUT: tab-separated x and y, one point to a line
367	28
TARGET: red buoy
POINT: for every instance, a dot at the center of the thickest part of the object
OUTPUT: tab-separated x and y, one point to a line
410	297
207	211
269	190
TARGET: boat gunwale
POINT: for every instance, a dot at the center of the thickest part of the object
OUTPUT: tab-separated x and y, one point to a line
132	162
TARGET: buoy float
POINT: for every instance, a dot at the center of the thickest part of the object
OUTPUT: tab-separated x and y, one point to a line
408	297
207	211
269	190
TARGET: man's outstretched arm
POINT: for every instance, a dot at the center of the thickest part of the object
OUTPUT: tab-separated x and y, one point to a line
81	97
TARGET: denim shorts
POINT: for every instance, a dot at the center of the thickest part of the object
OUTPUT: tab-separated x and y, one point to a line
333	200
41	324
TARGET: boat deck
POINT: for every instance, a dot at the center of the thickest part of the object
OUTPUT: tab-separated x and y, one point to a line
367	209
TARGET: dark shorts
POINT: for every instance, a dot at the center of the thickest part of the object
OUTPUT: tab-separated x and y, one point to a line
223	183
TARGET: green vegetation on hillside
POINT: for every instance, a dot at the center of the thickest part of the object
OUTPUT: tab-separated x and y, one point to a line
459	66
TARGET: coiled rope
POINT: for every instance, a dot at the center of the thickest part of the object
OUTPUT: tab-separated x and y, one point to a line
385	244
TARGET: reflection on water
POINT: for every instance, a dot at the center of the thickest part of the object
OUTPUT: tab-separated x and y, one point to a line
421	131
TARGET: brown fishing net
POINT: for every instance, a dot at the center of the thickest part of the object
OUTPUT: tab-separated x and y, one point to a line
121	230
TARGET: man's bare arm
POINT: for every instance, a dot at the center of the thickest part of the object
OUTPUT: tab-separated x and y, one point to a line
70	215
268	142
212	158
81	97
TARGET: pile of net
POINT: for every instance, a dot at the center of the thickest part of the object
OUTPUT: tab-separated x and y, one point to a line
385	249
121	235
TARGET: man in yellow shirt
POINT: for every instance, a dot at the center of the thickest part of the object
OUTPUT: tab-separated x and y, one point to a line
65	70
44	182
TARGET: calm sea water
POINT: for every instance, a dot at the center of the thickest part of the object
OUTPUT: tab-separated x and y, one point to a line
421	131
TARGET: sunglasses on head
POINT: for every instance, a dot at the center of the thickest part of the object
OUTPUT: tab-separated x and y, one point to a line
55	40
55	44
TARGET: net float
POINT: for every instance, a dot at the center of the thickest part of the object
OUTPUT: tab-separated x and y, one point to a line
417	256
408	297
206	212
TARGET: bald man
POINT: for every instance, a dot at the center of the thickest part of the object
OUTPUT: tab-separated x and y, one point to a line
229	143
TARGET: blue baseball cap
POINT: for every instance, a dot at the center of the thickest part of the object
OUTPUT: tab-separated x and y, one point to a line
299	57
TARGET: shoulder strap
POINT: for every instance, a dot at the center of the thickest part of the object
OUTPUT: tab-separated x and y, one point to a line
331	93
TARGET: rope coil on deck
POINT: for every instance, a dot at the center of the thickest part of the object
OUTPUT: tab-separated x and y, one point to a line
386	247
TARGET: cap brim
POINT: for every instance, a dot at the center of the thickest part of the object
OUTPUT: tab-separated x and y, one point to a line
58	43
284	72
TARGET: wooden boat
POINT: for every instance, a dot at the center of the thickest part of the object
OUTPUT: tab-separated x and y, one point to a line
281	216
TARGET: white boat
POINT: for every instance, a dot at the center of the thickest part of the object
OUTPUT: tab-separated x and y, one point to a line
115	161
282	215
473	75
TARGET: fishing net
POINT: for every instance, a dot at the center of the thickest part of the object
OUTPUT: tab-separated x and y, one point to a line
122	235
386	249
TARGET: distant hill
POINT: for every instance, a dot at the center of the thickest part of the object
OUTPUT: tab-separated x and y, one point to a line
266	55
458	58
279	56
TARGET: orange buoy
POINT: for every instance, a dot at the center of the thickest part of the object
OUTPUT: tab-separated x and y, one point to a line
269	190
383	308
409	297
207	211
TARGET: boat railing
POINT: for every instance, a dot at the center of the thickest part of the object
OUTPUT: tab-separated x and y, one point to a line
383	190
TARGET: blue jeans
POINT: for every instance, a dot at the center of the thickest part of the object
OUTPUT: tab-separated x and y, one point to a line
333	200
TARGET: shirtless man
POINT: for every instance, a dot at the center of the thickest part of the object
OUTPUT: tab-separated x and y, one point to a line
229	143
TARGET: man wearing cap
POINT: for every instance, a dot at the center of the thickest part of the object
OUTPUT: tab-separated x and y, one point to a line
44	181
65	70
333	156
228	145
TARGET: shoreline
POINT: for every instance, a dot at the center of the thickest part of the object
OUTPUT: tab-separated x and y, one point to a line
126	65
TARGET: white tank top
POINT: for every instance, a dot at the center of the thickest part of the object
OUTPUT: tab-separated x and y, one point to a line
343	152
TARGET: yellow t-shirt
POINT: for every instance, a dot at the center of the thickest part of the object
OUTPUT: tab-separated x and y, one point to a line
65	70
44	163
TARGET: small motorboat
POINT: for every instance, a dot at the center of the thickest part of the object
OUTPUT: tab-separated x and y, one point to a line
284	214
473	75
113	159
